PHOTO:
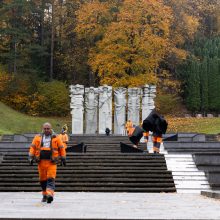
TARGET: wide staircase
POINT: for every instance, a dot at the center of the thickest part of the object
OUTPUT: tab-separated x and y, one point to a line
103	168
195	165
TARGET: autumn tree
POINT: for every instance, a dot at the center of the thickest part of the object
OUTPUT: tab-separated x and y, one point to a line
128	44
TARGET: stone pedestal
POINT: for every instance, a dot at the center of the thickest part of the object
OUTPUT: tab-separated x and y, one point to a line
77	92
91	109
134	105
120	107
105	108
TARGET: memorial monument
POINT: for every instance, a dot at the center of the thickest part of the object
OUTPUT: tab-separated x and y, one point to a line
98	107
149	93
134	105
105	108
120	110
77	100
91	110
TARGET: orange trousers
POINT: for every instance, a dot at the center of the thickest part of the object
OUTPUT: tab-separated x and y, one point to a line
47	174
157	140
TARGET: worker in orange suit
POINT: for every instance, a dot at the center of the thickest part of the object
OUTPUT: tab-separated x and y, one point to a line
146	138
129	127
47	150
64	138
158	125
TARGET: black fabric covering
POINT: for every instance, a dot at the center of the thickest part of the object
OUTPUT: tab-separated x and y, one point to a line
148	123
155	123
136	135
160	126
171	138
125	148
79	148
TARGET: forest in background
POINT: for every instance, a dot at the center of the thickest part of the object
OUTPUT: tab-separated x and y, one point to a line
47	45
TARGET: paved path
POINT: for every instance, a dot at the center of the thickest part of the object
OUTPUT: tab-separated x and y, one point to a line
110	206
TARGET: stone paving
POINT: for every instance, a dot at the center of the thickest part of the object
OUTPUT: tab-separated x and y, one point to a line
109	206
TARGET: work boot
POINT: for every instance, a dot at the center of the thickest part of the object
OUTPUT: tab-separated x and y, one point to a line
44	199
49	199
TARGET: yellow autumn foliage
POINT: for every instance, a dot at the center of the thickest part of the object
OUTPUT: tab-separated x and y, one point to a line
131	46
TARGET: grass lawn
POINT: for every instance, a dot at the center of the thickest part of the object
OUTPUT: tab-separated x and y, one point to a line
198	125
13	122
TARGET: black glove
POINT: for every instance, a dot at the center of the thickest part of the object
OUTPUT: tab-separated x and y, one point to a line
63	162
31	160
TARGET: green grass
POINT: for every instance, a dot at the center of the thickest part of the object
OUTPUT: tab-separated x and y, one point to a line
13	122
198	125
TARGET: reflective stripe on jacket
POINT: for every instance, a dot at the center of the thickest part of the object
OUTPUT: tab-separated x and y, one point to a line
56	148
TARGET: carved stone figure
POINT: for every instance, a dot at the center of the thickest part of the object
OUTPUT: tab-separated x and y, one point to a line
77	100
134	105
91	107
145	102
119	114
105	108
152	95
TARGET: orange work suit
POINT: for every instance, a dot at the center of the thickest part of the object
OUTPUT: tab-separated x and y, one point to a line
157	140
128	126
146	136
64	138
130	131
47	158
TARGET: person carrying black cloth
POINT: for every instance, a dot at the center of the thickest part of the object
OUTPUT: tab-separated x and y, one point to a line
158	125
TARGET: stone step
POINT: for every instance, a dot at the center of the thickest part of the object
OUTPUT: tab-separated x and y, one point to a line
193	151
97	160
188	173
88	170
91	184
73	165
61	178
84	159
7	137
189	178
102	169
189	191
91	189
124	175
96	154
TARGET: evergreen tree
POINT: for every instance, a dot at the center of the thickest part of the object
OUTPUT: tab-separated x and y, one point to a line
204	86
204	67
214	84
193	87
20	44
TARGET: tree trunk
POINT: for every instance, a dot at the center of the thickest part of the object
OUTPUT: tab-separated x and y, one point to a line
42	23
52	41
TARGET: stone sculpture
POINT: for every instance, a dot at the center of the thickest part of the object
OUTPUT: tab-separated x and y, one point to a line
77	100
152	95
134	105
91	109
105	108
120	110
145	102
